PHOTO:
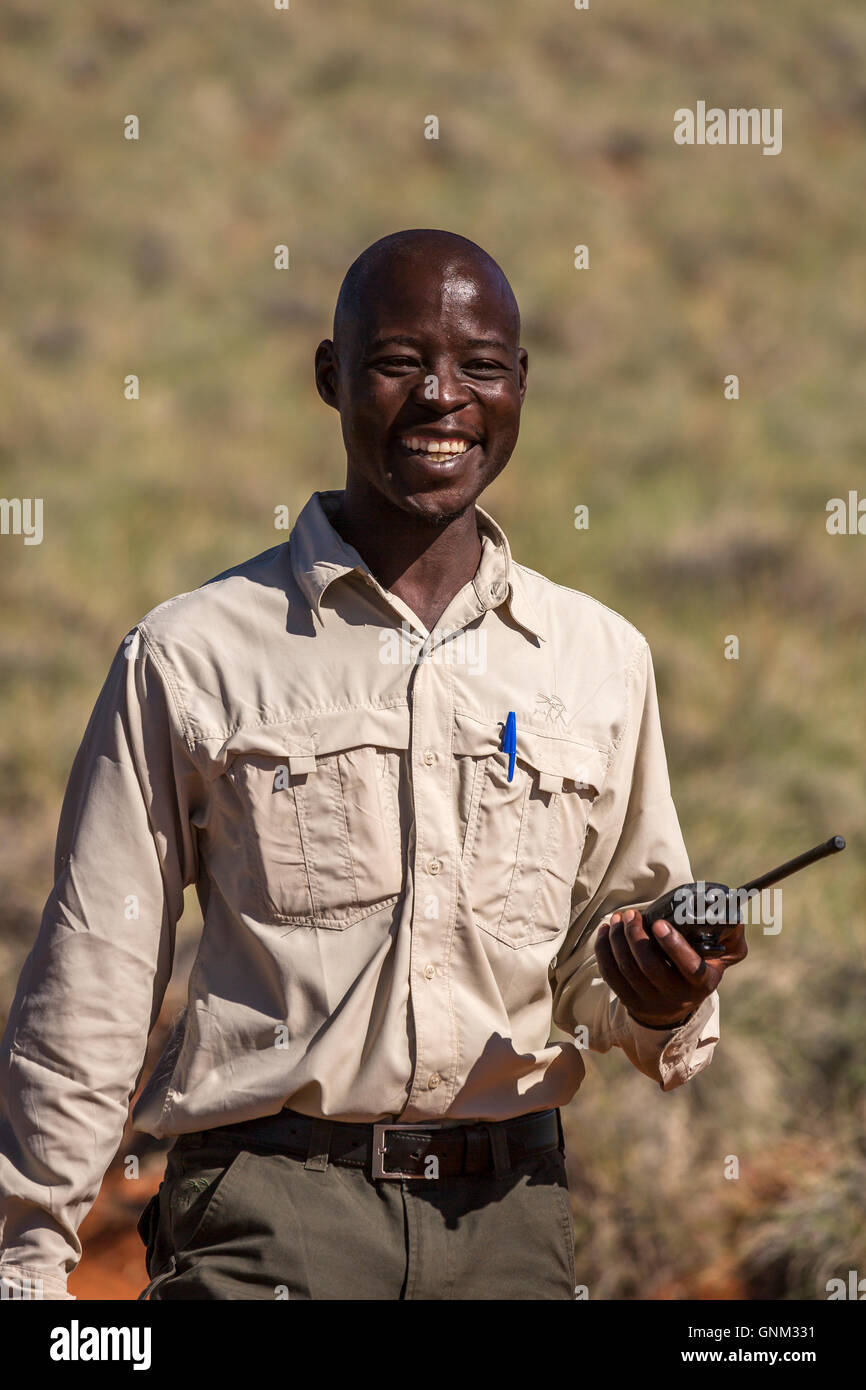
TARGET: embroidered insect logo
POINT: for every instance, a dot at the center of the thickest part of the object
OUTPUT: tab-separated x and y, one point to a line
552	707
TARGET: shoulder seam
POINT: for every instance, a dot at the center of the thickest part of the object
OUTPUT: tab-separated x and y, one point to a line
171	686
641	647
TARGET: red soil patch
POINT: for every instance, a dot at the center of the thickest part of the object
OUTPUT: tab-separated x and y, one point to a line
112	1265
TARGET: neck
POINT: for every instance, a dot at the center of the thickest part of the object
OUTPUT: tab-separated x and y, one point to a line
424	563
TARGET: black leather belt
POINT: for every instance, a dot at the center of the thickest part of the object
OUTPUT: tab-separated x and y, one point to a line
399	1151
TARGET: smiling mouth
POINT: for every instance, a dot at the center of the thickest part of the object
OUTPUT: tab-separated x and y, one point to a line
436	449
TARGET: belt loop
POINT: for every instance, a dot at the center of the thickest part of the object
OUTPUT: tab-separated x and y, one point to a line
561	1131
499	1148
320	1144
474	1160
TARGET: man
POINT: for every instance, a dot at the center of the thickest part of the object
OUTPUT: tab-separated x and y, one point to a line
412	781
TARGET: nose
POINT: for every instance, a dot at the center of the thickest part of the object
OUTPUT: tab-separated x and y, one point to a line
443	388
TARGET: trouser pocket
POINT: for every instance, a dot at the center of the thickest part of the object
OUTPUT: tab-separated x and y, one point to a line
148	1230
147	1227
188	1199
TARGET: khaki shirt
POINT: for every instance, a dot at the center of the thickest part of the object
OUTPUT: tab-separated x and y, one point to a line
390	918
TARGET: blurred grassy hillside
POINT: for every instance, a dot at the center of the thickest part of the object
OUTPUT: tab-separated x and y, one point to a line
707	516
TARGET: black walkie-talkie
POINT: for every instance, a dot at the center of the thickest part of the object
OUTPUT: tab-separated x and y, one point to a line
707	913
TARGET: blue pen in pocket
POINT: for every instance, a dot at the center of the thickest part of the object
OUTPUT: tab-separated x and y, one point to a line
509	741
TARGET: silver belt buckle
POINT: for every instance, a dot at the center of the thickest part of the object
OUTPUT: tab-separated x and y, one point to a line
379	1147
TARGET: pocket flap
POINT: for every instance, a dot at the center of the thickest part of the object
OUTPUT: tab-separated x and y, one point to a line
300	741
382	727
555	760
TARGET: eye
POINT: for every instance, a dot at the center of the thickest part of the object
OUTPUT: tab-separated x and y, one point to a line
483	364
397	364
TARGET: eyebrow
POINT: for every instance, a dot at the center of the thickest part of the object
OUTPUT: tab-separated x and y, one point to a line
488	342
379	343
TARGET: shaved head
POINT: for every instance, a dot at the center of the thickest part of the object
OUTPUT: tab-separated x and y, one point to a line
427	248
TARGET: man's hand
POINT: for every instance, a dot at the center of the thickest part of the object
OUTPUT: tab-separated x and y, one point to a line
659	977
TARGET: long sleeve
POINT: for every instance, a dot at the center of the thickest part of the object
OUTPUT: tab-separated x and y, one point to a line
92	986
633	853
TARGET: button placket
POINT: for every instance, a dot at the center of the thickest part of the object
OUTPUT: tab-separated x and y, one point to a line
435	874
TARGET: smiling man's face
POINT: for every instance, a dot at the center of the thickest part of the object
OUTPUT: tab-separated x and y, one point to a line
427	374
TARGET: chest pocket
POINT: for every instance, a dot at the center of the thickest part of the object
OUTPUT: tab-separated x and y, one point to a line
319	815
522	840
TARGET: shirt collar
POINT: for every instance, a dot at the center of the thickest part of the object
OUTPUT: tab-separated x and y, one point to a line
319	555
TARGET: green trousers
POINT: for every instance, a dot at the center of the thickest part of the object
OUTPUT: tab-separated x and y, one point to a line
235	1222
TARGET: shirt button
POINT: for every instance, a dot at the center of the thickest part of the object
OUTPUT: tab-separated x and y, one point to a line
433	1081
434	866
429	756
429	971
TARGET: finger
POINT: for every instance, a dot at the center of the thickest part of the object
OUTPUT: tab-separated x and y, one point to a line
700	973
629	967
611	974
653	963
736	948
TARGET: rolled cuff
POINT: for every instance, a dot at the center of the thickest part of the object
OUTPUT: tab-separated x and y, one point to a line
672	1056
29	1283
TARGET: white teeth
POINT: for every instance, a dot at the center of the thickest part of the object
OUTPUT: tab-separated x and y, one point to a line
437	446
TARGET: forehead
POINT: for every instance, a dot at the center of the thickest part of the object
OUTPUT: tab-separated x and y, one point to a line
430	293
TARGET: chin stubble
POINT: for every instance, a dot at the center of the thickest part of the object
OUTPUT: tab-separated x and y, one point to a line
443	519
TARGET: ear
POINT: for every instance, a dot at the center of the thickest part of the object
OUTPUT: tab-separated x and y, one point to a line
327	368
522	370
